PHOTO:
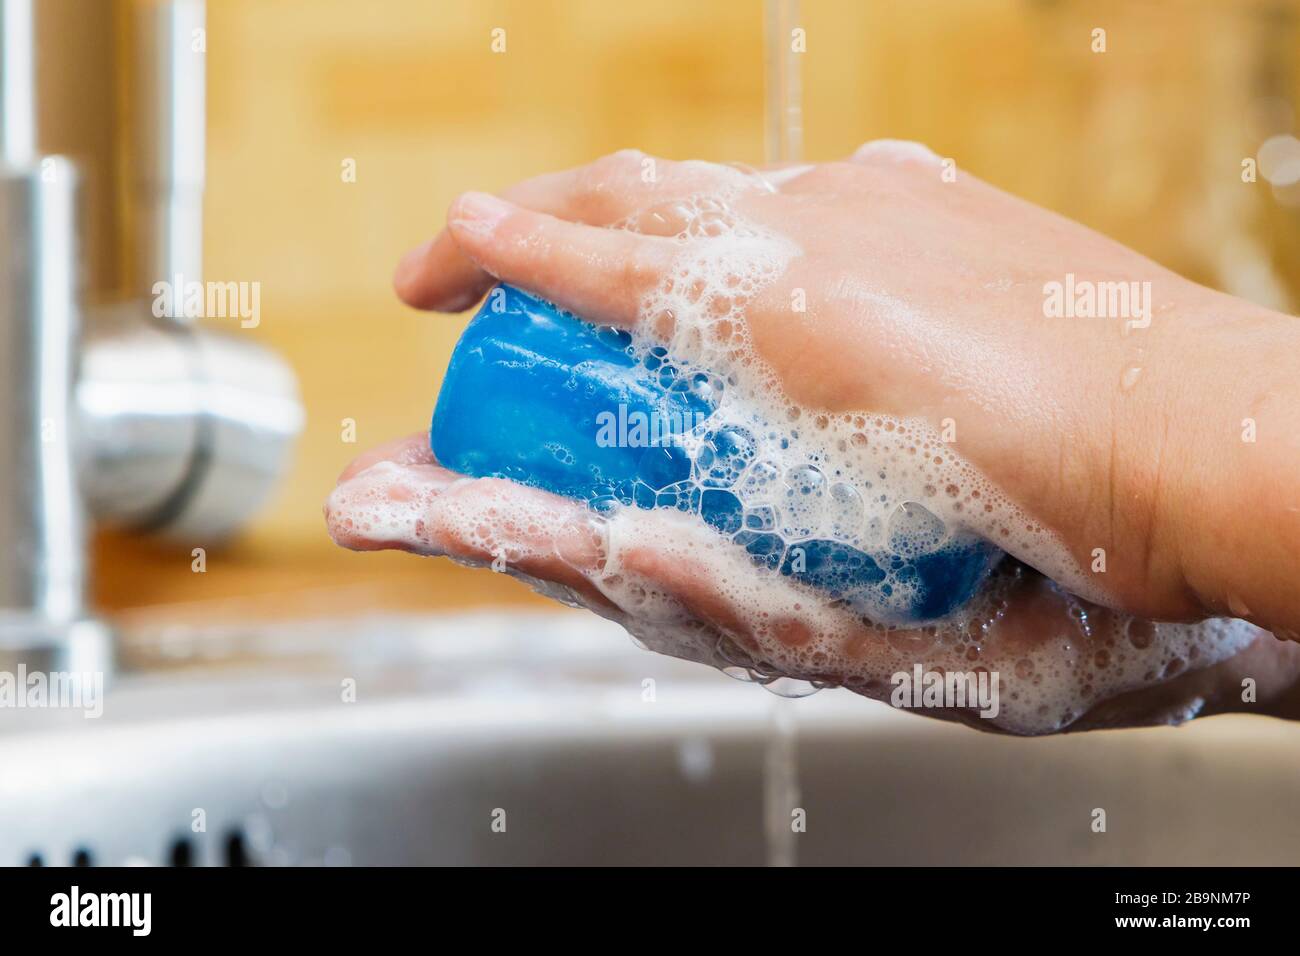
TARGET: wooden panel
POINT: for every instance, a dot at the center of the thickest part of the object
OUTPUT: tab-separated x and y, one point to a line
1143	142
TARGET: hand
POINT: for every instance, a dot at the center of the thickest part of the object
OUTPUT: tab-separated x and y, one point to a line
397	496
925	299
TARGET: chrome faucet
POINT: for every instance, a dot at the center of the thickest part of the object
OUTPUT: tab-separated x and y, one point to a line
112	413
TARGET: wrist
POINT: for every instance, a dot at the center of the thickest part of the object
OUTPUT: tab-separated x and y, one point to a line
1232	508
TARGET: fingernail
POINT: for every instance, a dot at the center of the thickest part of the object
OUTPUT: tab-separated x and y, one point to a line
479	212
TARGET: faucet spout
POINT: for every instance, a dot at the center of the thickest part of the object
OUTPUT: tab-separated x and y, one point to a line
42	558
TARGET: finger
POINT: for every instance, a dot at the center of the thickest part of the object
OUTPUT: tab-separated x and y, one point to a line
411	450
426	509
690	584
774	639
601	274
1272	667
437	275
383	507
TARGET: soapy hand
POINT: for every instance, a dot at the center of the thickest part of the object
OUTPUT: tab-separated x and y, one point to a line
914	294
397	496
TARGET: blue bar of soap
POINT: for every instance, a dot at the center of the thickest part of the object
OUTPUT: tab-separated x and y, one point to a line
543	398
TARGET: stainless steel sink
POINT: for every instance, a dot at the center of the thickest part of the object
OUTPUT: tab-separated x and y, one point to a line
546	723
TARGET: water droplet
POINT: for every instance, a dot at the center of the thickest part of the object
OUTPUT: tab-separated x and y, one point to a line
739	673
791	687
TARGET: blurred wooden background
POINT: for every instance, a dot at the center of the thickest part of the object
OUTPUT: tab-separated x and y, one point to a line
1143	142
